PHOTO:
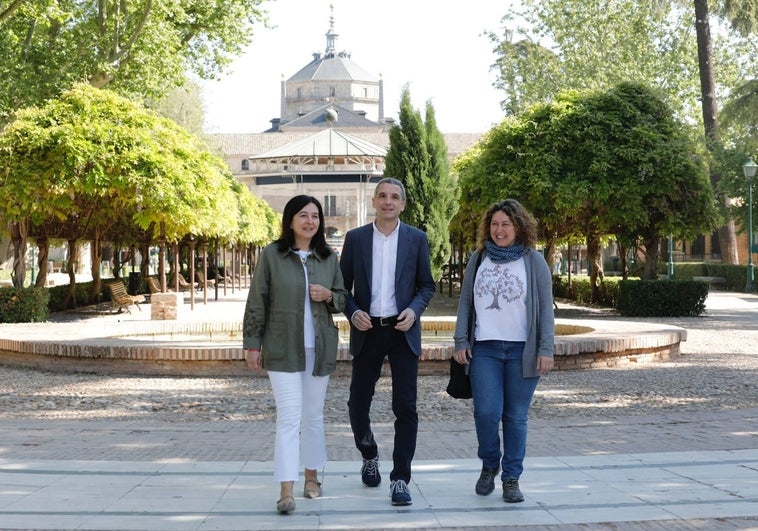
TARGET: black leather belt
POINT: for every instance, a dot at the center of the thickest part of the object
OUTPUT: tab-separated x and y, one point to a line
384	321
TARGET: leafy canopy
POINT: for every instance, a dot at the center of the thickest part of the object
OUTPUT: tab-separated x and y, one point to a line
138	48
103	161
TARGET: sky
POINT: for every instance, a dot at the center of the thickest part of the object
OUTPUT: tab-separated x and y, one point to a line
436	47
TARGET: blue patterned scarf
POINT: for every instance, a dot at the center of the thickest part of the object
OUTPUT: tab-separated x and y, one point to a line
503	255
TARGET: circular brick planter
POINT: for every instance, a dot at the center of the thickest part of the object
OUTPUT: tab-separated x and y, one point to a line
175	348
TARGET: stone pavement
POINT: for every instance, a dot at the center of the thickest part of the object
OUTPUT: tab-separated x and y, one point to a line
698	471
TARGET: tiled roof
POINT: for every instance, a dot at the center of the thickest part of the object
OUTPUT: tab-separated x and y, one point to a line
317	118
337	67
252	144
329	142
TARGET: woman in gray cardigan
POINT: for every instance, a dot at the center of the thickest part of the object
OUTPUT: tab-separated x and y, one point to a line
288	330
505	330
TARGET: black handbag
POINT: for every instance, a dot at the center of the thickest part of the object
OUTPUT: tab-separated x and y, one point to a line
459	385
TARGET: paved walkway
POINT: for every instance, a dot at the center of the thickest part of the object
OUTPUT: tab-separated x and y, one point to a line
614	473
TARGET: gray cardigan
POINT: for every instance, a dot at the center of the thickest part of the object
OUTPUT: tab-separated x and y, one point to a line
273	320
539	309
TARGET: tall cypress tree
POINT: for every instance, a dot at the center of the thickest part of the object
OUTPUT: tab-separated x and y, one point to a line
418	158
440	194
407	159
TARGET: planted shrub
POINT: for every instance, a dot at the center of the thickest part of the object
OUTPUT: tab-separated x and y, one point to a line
662	298
24	305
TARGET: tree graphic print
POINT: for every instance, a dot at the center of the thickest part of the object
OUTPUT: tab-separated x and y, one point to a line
498	282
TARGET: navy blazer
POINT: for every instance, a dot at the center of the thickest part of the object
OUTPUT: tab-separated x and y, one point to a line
414	285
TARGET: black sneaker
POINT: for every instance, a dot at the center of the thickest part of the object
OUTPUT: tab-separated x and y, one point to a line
399	493
370	472
486	482
511	492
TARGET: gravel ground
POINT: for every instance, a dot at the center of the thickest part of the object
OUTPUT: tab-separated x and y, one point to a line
717	371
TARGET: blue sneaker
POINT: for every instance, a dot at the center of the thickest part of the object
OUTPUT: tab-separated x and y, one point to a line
486	482
511	492
399	493
370	472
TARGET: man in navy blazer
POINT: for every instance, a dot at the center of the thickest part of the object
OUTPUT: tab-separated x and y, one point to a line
387	272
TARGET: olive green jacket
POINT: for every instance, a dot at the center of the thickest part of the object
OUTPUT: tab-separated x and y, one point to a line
273	320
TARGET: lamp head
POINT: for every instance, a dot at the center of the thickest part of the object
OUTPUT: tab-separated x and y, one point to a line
749	168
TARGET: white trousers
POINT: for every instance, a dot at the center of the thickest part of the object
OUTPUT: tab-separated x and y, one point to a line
300	438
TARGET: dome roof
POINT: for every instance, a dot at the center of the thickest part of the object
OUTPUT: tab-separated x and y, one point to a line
335	67
332	65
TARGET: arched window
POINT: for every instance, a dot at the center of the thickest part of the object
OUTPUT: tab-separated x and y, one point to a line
245	165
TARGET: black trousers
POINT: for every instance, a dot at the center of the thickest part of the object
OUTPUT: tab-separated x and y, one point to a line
381	343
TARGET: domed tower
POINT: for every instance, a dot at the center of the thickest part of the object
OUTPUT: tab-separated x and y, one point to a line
331	91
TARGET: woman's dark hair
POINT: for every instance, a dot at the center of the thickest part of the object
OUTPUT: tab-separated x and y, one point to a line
287	238
526	225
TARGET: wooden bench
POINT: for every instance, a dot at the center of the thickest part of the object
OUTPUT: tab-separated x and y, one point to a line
154	286
121	299
203	282
713	281
183	284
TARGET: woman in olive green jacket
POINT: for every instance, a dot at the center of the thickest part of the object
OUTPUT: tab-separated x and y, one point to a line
288	330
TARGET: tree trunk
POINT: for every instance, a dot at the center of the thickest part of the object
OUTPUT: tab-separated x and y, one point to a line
622	250
175	266
549	254
73	263
595	262
652	253
162	258
144	267
117	260
96	253
726	234
43	251
18	238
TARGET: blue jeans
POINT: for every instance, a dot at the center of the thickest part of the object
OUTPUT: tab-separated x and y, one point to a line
501	394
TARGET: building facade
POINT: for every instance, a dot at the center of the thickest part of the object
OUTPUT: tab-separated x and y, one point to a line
330	141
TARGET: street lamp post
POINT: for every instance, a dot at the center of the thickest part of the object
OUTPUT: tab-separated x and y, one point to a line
749	170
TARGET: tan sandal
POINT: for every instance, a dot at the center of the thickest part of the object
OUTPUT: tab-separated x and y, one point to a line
312	489
285	505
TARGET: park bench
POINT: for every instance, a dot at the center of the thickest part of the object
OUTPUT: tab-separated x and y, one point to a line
204	282
712	281
121	299
183	284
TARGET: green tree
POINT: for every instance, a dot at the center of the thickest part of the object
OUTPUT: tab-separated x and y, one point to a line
555	45
185	106
93	165
596	43
595	164
740	115
440	193
408	159
738	118
709	105
139	48
418	157
742	14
